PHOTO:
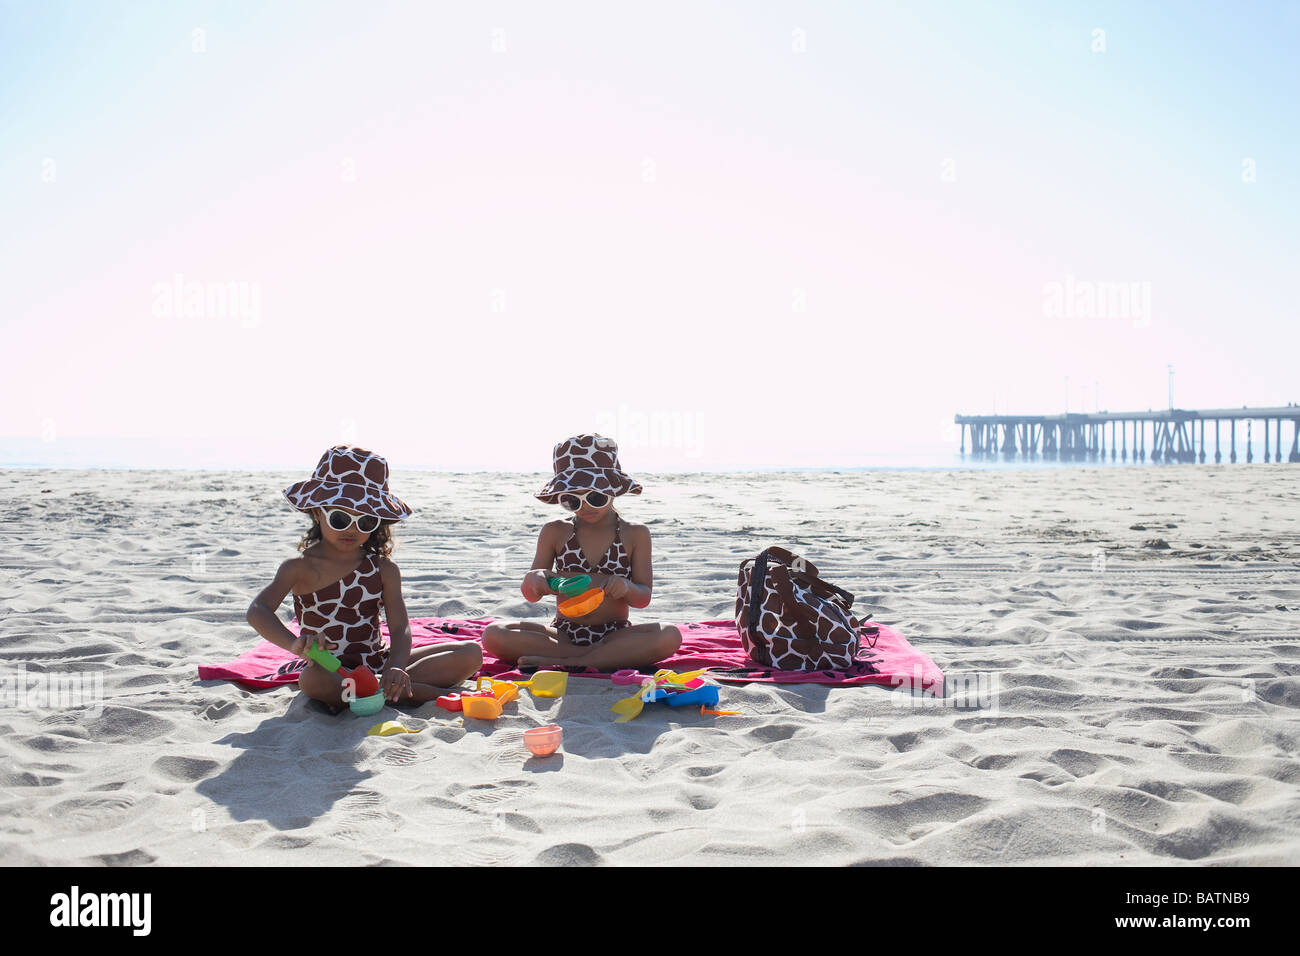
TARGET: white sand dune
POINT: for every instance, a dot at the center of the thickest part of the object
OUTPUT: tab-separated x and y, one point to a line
1123	704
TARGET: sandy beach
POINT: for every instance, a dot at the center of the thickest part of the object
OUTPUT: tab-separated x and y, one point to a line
1135	703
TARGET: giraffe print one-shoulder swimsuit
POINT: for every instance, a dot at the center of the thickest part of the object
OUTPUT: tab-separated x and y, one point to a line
344	615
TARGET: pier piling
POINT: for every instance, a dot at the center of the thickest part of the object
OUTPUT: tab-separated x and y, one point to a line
1174	434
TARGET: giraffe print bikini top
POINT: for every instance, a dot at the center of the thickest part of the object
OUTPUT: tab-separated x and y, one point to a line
344	615
615	560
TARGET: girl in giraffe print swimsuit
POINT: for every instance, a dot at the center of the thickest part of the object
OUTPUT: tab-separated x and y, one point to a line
586	481
342	581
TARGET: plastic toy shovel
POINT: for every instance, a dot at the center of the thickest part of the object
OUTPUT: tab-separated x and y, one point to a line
546	683
364	682
630	707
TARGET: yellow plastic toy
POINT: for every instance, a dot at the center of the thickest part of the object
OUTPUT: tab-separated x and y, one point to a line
487	704
387	728
546	683
630	707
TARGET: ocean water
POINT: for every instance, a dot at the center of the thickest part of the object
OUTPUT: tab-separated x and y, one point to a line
206	455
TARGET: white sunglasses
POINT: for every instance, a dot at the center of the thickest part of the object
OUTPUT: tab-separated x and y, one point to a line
572	500
341	520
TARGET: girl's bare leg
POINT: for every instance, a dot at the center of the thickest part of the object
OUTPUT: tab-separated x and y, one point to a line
432	670
639	645
514	642
435	669
319	684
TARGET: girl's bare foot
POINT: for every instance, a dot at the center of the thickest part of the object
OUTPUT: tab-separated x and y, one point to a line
540	663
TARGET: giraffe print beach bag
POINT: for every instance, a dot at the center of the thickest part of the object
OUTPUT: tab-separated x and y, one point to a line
790	619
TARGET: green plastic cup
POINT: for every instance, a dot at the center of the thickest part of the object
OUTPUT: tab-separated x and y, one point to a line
367	706
570	586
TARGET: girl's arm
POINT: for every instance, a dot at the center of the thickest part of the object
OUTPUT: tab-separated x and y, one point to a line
261	613
641	583
535	587
399	625
394	680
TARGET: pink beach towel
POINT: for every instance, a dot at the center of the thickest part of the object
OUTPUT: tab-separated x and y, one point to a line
714	644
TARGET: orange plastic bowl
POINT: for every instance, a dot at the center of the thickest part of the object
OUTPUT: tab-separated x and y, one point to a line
544	741
584	603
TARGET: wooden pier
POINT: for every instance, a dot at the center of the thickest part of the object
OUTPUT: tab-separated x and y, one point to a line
1174	434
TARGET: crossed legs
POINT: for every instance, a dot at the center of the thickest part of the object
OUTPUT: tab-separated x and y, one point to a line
535	645
431	669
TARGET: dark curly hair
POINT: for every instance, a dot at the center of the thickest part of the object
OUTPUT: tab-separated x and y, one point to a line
380	543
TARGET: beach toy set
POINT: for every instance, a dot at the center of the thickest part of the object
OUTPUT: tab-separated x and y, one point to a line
579	596
667	686
541	741
479	703
368	699
670	687
488	704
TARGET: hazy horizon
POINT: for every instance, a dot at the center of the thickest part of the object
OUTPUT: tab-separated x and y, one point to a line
97	454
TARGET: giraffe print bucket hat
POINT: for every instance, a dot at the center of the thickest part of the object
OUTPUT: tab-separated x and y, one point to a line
587	463
352	478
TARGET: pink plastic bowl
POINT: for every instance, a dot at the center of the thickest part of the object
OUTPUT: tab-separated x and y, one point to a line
543	741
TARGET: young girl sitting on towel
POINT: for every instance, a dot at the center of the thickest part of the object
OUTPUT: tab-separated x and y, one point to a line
343	579
586	481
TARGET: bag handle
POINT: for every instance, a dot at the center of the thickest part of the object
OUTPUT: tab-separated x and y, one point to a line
758	584
803	613
797	563
825	589
797	567
806	571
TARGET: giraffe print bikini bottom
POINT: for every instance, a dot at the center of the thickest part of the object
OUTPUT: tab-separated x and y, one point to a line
585	634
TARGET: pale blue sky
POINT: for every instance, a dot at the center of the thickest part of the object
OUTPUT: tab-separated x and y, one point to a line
452	221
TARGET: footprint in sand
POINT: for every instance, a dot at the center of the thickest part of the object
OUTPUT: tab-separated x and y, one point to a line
184	769
91	812
488	795
569	854
398	756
